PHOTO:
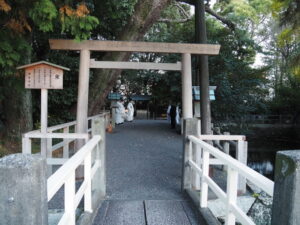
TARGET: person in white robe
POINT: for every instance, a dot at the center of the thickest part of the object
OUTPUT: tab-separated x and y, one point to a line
130	111
120	112
168	113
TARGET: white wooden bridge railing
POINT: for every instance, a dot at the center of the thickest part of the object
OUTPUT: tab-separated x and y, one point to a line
66	132
234	168
239	145
90	158
65	175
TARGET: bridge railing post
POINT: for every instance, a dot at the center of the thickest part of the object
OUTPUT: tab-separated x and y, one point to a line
26	145
286	199
189	177
241	156
99	156
23	190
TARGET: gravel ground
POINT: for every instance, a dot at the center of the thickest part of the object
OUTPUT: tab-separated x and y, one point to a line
144	161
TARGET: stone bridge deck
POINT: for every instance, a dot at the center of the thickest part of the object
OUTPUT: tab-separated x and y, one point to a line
143	177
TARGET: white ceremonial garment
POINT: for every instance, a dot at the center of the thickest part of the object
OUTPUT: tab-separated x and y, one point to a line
130	112
120	113
178	120
168	113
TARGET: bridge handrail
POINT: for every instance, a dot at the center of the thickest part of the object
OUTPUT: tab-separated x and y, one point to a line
65	175
234	168
52	133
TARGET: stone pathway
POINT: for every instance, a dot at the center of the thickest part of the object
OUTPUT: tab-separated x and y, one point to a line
144	161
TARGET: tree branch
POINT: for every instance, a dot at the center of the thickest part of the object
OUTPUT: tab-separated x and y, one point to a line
164	20
227	22
182	10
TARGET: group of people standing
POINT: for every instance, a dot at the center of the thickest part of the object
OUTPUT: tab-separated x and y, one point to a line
123	114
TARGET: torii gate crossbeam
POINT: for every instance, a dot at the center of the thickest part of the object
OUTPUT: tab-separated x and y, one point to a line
85	47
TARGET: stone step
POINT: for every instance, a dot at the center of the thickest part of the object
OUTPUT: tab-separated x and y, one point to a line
148	212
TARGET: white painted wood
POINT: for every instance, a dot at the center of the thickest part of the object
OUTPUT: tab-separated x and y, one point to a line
70	198
44	120
223	137
80	193
190	159
88	180
215	188
232	182
195	166
26	145
64	219
228	198
264	183
241	156
44	110
66	143
61	144
49	148
95	167
187	95
241	216
58	135
205	173
135	65
127	46
56	161
214	161
49	156
61	126
83	93
197	159
55	181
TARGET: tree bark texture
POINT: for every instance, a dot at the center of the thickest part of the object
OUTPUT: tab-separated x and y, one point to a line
17	108
202	68
146	13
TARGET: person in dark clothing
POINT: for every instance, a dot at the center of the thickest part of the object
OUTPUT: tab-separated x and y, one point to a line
173	116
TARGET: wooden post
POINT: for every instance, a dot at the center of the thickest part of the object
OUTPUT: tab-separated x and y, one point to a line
83	94
226	148
26	145
197	155
187	95
232	179
189	128
99	180
66	144
241	156
204	185
82	103
44	120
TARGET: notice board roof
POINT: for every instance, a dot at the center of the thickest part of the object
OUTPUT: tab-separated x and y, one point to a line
41	63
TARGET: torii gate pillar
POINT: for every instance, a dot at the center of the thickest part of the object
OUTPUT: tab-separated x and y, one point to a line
187	95
83	94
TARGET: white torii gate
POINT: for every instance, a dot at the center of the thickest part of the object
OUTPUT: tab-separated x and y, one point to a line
85	47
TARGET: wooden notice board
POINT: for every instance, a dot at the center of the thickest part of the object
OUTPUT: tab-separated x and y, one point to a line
43	76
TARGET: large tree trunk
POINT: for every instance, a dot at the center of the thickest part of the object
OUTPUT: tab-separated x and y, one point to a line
202	69
146	13
17	109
